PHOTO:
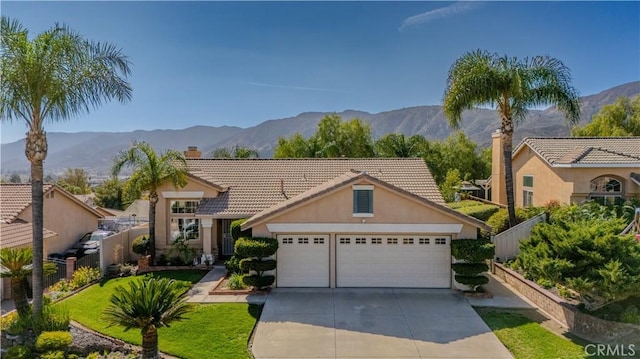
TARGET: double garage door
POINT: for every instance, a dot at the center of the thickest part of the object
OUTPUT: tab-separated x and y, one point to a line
405	261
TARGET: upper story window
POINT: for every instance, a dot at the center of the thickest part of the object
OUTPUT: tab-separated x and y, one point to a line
527	181
363	201
184	206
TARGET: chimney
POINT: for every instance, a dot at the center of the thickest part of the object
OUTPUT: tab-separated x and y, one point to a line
192	152
498	183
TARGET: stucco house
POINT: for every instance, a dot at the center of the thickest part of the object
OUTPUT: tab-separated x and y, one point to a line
339	222
568	170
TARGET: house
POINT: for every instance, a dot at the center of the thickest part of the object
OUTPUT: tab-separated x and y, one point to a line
66	218
569	170
339	222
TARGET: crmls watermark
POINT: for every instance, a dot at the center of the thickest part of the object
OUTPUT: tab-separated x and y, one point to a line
610	350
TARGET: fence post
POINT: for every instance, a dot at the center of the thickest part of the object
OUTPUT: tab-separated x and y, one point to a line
71	266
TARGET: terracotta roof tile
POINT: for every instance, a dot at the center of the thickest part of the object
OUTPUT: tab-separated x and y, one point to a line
257	184
586	150
19	234
14	198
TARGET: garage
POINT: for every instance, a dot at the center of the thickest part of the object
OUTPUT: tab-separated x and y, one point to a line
303	261
404	261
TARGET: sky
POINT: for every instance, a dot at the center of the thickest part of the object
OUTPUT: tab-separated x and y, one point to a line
242	63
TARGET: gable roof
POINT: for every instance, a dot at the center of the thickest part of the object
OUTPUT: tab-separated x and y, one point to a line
16	197
20	233
253	185
346	179
585	151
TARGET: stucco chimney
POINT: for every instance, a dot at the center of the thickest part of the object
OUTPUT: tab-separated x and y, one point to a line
498	183
192	152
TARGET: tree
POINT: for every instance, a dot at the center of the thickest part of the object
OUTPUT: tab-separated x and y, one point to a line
53	77
397	145
235	152
150	172
148	305
621	118
297	146
110	194
512	86
17	264
15	178
450	185
75	180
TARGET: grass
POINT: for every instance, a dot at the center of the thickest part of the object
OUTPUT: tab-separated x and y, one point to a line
210	331
526	338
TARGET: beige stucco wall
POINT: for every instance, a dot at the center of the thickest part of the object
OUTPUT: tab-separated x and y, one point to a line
66	217
163	240
563	184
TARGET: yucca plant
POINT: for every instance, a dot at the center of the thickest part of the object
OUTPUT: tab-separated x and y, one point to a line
148	305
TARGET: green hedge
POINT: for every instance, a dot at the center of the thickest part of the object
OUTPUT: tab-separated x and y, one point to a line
472	281
472	250
233	265
52	341
499	221
256	247
257	265
141	245
469	269
464	203
235	230
259	281
482	212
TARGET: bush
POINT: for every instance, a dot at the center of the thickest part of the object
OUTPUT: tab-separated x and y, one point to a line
141	245
54	318
19	352
469	269
233	265
83	276
57	354
257	265
499	221
235	281
472	281
256	247
472	250
464	203
236	233
482	212
53	341
259	282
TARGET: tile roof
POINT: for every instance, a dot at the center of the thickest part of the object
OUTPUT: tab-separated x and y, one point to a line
19	234
585	150
15	198
257	184
344	180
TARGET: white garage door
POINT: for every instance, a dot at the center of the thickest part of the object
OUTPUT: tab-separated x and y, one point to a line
393	261
303	261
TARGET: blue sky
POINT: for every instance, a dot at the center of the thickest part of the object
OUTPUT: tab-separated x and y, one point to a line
241	63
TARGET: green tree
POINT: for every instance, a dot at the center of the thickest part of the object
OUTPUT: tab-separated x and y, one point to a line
297	146
450	186
17	264
75	180
397	145
621	118
148	305
15	178
110	194
150	171
235	152
55	76
456	152
512	86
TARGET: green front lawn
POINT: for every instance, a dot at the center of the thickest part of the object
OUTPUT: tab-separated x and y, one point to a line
210	331
525	338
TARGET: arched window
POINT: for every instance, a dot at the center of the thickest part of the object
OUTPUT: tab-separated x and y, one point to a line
606	190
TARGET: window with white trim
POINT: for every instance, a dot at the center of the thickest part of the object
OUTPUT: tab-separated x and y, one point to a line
376	240
423	241
318	241
606	190
441	241
407	240
527	198
345	240
363	200
182	224
287	240
303	240
392	240
361	241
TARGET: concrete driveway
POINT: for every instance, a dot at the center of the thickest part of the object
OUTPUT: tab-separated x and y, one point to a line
372	323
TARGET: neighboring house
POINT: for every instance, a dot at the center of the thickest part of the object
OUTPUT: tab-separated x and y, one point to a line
339	222
66	218
569	170
137	211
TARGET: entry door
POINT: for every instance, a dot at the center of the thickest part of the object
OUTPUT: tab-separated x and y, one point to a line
393	261
303	261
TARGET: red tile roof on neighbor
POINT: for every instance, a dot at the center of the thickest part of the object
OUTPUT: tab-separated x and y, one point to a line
20	234
257	184
15	198
590	151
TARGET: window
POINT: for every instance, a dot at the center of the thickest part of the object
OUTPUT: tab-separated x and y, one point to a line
606	190
361	241
527	181
187	228
376	240
407	240
423	241
527	198
441	241
318	241
363	200
303	240
184	206
287	240
345	240
392	240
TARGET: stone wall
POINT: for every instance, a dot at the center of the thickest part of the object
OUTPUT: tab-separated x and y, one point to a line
581	324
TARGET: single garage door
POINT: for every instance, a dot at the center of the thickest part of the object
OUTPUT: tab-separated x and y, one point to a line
303	261
393	261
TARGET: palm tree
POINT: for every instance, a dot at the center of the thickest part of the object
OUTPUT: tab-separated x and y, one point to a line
150	171
148	305
512	86
53	77
17	264
397	145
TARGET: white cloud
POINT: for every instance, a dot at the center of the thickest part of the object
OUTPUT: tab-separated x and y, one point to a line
443	12
288	87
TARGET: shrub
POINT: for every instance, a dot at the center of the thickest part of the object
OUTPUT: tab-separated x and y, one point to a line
464	203
481	212
259	282
57	354
236	232
256	247
141	245
233	265
19	352
52	341
472	250
235	281
83	276
469	269
499	221
257	265
7	321
472	281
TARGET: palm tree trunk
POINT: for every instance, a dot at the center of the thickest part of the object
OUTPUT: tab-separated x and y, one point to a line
153	200
150	344
19	296
36	152
507	147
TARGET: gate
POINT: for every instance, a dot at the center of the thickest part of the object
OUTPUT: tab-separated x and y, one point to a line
60	273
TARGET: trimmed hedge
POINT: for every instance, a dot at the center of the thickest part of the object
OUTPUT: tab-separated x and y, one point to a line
259	281
472	250
469	269
472	281
53	341
235	230
464	203
499	221
257	247
482	212
141	245
233	265
257	265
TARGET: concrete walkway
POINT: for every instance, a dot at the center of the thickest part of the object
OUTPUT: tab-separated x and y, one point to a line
200	291
503	296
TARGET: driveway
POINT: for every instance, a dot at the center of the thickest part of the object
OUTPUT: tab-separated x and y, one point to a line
372	323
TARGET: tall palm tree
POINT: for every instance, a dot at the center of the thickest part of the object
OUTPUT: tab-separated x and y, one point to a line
17	264
512	86
150	171
53	77
148	305
397	145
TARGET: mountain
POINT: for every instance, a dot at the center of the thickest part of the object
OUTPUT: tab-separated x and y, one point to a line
94	151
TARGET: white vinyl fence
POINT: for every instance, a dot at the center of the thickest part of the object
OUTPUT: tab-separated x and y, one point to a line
508	242
125	253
